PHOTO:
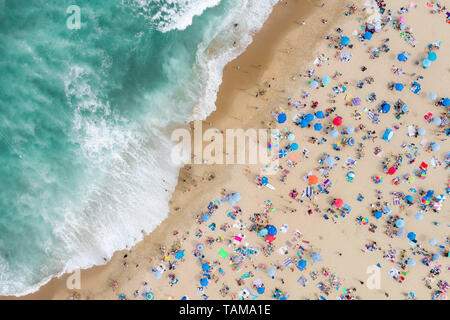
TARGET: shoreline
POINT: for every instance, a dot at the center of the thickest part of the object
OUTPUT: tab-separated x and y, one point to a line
279	23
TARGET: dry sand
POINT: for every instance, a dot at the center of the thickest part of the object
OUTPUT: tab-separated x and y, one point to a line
280	52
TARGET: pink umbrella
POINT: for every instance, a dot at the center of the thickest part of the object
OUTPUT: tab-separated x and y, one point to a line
338	202
401	19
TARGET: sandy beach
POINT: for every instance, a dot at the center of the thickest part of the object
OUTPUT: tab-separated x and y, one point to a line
299	63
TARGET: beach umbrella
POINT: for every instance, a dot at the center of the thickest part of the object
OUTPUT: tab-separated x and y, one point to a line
264	181
270	238
401	57
257	282
235	197
411	262
402	26
345	40
337	121
157	275
329	161
317	126
351	141
281	118
294	146
378	214
338	202
200	247
149	296
334	133
293	157
421	131
437	121
432	56
385	107
435	257
399	86
419	216
435	146
392	170
316	257
260	290
309	117
404	108
271	230
409	199
291	136
313	179
282	153
400	223
426	63
263	232
204	282
326	80
301	264
433	96
206	267
411	236
351	175
432	241
356	101
271	273
401	232
368	35
205	217
304	123
446	102
319	114
179	254
350	130
314	84
430	194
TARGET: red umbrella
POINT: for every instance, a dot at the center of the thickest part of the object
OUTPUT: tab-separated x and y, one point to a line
337	121
270	238
392	170
338	202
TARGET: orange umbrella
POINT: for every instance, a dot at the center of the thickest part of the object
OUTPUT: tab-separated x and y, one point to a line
313	179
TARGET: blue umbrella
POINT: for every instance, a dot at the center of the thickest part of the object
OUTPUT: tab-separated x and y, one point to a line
329	161
301	264
326	80
200	247
334	133
400	223
204	282
205	217
281	118
316	257
282	153
401	232
319	114
411	262
317	126
179	254
157	275
378	214
368	35
432	241
409	199
350	129
419	216
264	180
401	57
437	121
271	272
435	257
432	56
385	107
263	232
399	86
421	131
426	63
430	193
411	236
235	197
260	290
294	146
446	102
433	96
271	229
304	123
309	117
206	267
345	40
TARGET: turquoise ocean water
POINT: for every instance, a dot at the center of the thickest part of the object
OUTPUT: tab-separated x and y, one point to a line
83	112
